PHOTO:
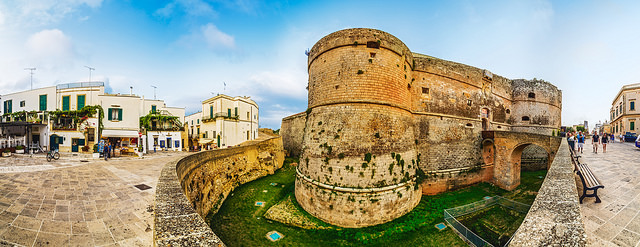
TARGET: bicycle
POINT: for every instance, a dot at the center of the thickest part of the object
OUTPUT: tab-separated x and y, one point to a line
53	155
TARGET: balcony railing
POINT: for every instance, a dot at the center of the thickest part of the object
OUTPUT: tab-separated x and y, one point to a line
224	115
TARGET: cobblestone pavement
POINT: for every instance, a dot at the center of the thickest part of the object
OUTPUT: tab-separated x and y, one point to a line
615	221
78	201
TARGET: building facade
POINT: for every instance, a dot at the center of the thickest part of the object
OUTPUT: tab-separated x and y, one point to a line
228	121
69	118
192	128
624	110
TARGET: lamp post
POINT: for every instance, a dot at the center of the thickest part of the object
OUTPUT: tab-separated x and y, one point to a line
31	72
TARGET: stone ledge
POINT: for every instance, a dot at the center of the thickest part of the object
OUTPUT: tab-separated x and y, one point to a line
554	218
176	222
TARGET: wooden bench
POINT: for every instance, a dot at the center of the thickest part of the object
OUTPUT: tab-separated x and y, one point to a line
589	182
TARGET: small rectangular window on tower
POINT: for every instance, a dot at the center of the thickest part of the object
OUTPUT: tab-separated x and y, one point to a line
425	90
373	44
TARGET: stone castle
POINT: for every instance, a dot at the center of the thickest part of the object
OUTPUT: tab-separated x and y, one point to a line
385	125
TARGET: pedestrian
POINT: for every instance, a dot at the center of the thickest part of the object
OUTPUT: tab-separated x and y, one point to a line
572	142
106	151
580	141
595	140
605	139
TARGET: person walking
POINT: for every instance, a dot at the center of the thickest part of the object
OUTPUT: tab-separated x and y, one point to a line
604	140
580	141
595	140
572	142
106	150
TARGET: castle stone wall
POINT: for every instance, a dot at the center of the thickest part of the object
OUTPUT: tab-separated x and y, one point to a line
291	131
370	97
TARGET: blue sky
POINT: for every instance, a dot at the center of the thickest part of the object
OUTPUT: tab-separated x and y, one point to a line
189	48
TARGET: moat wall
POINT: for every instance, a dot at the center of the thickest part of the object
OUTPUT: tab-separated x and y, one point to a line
192	187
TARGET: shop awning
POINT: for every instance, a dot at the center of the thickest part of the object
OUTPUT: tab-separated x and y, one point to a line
204	141
120	133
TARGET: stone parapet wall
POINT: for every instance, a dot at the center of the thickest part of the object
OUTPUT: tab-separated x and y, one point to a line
291	131
554	218
189	188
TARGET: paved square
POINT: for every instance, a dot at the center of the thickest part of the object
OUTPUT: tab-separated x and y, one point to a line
615	221
72	202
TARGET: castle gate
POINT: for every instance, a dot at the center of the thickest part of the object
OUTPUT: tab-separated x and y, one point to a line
507	150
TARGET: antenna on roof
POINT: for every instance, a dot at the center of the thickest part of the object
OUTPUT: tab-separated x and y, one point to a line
154	92
31	72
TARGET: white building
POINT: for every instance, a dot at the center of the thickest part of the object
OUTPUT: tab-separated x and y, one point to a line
192	129
228	121
66	124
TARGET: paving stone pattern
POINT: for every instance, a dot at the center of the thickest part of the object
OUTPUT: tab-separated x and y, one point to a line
78	201
615	221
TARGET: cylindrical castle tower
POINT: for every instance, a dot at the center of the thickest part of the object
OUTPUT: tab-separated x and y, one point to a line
358	161
537	107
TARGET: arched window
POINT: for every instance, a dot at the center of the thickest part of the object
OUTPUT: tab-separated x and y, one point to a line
525	118
532	95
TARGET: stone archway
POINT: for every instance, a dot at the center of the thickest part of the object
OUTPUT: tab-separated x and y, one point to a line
508	151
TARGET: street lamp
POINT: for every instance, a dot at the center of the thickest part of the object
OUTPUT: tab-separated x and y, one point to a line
31	72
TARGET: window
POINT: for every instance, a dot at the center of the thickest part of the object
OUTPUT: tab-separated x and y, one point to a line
65	103
632	125
248	117
22	103
469	102
508	111
632	106
425	90
191	121
210	111
81	101
236	111
198	131
43	102
198	120
229	112
373	44
525	118
532	95
153	109
115	114
7	106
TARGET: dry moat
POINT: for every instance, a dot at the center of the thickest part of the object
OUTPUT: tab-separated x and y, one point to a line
240	222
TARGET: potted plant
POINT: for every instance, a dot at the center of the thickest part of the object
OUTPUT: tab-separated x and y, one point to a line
96	155
6	152
85	148
19	149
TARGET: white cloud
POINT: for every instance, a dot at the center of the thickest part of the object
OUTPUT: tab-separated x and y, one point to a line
210	36
285	83
215	38
44	12
188	7
50	45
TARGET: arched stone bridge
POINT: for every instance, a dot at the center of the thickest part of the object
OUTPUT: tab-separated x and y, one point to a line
504	149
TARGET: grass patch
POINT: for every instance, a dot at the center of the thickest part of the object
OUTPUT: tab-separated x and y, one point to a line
240	223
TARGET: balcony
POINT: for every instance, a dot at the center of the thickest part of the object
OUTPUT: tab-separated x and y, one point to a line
224	115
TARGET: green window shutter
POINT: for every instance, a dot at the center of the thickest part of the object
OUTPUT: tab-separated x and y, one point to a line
81	101
119	114
65	103
10	106
632	125
229	112
43	102
109	114
211	111
153	109
236	111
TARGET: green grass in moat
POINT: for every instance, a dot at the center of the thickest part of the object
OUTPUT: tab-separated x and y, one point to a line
240	223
